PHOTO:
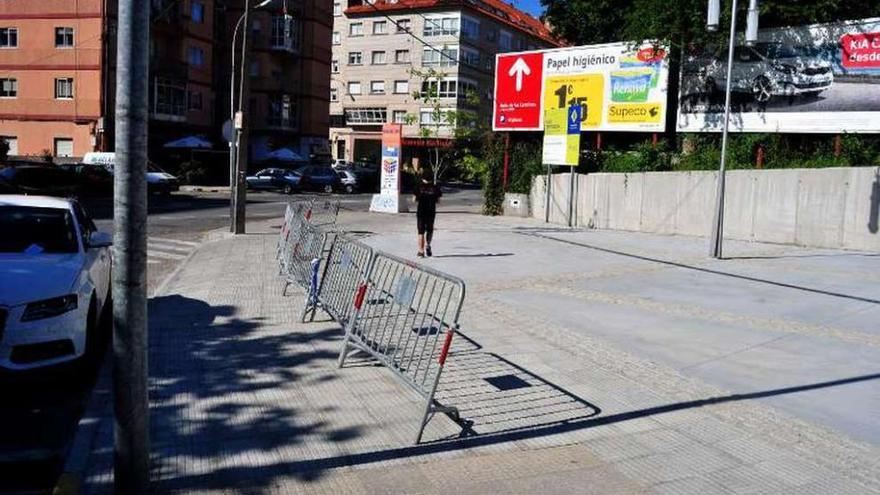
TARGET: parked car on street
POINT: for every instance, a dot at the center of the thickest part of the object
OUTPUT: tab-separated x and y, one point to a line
47	180
54	281
158	180
318	178
91	181
286	181
348	180
767	70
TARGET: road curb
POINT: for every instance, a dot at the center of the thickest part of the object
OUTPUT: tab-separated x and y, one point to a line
213	189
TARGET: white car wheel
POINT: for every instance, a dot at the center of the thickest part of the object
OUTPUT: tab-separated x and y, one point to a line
761	90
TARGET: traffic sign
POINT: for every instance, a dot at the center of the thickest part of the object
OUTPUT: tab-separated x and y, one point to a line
518	80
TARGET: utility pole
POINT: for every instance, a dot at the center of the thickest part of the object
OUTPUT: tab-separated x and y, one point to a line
717	240
241	148
131	466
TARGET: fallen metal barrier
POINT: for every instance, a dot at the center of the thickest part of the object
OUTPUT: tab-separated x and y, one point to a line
346	268
294	216
324	213
405	316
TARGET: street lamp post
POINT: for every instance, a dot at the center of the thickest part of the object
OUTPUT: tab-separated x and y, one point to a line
715	249
236	175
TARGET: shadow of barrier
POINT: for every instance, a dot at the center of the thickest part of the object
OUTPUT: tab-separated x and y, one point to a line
405	317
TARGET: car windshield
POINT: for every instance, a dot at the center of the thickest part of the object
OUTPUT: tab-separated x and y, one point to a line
152	167
36	230
775	51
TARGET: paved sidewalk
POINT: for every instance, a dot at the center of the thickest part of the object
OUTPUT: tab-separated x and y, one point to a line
636	364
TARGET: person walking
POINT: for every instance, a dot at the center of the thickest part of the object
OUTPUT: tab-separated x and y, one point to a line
427	194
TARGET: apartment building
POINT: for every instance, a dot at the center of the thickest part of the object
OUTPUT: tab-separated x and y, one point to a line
382	49
289	69
57	74
53	75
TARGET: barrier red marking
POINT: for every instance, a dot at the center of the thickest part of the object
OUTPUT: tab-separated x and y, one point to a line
308	214
359	296
445	351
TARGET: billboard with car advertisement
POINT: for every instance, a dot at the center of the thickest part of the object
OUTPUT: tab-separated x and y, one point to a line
823	78
619	87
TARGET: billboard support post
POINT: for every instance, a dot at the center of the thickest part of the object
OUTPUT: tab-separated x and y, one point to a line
837	145
718	223
571	197
506	160
547	195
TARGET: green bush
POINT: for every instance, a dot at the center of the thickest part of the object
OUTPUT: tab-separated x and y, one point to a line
525	164
493	187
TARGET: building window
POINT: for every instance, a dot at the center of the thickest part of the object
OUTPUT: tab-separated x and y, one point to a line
334	94
491	35
337	8
470	57
403	25
196	56
8	88
337	39
355	58
64	37
466	88
441	26
366	115
470	28
356	29
64	88
8	37
334	66
256	28
354	87
378	58
197	12
169	98
194	100
255	68
401	87
432	117
284	33
281	111
401	56
505	41
12	143
377	87
443	57
440	89
398	116
63	147
380	27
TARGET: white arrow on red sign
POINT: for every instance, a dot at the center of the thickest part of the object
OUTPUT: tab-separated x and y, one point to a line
518	69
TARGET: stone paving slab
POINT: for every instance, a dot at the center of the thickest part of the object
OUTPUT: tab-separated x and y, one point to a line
245	399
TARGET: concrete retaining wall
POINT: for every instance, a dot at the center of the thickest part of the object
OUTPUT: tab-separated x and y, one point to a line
830	208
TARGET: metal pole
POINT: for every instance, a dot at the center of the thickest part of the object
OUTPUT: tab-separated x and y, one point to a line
506	160
715	249
547	196
240	188
131	410
571	198
233	150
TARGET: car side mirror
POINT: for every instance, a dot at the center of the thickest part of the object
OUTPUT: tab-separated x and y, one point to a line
100	239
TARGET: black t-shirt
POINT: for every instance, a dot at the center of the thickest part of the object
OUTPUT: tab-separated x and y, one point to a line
427	196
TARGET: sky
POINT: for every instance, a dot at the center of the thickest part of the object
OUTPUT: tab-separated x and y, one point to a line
531	6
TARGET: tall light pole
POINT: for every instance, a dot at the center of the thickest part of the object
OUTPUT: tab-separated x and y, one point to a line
131	443
237	174
714	10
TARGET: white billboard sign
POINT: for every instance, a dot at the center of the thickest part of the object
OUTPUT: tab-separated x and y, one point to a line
823	78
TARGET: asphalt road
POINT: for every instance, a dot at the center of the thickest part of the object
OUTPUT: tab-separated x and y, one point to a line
40	411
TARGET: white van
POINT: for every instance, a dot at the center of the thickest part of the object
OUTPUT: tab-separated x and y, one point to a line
158	180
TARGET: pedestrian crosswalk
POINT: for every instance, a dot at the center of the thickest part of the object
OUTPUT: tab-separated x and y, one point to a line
160	249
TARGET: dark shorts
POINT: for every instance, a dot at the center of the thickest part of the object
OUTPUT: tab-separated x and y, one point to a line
425	222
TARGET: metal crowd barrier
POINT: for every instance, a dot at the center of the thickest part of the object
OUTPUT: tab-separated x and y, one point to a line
324	212
346	268
293	217
405	316
308	247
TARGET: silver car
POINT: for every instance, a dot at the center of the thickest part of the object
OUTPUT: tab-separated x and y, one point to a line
767	70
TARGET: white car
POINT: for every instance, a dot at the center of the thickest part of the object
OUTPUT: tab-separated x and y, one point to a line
770	69
158	180
54	281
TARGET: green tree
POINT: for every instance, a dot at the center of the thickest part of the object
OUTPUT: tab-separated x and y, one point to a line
460	122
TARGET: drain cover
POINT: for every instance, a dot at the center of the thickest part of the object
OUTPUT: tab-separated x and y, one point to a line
507	382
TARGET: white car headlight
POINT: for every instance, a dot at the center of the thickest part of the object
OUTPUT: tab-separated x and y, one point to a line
48	308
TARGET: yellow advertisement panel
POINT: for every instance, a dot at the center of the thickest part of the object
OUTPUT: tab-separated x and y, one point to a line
634	113
560	92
